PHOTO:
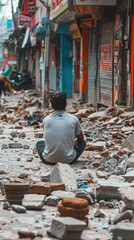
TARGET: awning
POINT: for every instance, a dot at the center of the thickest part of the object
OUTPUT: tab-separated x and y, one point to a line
27	34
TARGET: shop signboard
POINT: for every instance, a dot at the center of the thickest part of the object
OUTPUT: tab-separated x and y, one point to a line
95	2
24	21
106	56
74	29
60	8
27	7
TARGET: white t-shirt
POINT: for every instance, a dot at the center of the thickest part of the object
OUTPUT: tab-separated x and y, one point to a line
60	130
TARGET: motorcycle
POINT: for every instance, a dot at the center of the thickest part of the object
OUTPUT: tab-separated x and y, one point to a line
15	81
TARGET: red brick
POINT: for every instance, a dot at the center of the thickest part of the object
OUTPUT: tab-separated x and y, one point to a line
46	189
96	164
75	203
56	186
94	147
16	186
26	234
42	189
38	135
105	153
73	212
36	126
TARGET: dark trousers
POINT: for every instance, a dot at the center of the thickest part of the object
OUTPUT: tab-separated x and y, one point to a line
79	147
2	88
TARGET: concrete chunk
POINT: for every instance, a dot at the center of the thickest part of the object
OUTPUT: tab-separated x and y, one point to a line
127	195
67	228
123	231
63	173
33	201
129	143
109	190
95	115
129	177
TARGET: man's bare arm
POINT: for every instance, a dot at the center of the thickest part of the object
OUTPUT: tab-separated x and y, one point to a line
80	137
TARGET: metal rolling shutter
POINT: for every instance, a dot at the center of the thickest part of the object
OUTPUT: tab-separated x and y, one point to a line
106	64
122	5
92	51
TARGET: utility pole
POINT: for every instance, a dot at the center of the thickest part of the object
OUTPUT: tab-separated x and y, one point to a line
45	89
47	61
12	13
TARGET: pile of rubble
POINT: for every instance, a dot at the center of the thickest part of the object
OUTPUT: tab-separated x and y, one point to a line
95	195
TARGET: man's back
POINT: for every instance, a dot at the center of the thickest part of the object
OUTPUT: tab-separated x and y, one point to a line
60	129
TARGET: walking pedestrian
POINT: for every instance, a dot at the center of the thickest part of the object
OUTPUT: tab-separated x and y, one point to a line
60	131
4	84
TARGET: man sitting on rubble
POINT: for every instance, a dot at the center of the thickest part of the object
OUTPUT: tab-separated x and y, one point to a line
60	131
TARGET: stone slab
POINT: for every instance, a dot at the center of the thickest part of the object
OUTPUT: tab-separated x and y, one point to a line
67	228
109	190
95	115
129	142
123	231
127	195
63	173
33	201
129	176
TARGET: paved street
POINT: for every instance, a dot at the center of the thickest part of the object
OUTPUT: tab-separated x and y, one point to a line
23	165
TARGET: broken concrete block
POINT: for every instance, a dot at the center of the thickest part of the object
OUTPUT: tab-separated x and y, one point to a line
99	214
33	201
96	115
109	190
130	162
124	231
15	145
129	143
127	195
62	194
52	201
19	209
129	176
63	173
127	115
67	228
127	129
22	135
123	216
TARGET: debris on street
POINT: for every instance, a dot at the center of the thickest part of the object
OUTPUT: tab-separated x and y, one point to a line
91	199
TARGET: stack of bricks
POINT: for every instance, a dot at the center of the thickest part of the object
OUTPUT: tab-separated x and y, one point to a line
74	207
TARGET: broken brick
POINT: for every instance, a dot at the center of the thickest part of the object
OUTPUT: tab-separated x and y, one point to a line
75	202
38	135
41	189
94	148
73	212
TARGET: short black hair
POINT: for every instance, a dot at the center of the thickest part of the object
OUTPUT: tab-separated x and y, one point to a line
58	101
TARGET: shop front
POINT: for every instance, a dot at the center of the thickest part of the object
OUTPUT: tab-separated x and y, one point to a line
64	57
122	57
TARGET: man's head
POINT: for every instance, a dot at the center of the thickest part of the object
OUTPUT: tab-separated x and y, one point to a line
58	101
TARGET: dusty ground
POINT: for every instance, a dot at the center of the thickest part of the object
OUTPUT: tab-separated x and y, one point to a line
23	164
